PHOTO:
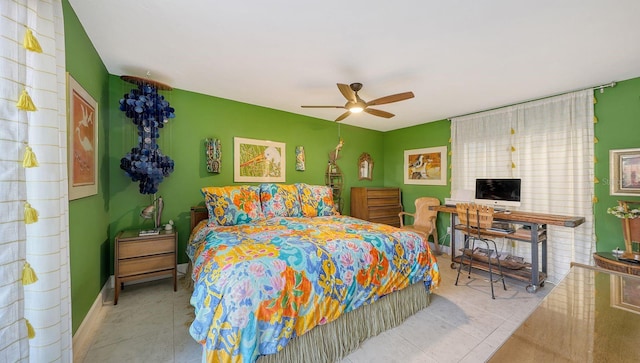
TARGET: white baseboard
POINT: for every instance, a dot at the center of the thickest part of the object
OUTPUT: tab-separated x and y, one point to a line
83	338
182	268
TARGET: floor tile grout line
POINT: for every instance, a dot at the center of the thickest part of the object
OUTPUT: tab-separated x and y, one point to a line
474	302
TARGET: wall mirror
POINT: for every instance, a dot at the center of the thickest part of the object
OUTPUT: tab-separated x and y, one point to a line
365	167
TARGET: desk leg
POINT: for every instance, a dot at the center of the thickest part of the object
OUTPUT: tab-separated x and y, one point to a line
544	250
535	270
452	224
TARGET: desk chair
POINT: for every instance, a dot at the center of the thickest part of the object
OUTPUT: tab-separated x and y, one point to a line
424	220
475	218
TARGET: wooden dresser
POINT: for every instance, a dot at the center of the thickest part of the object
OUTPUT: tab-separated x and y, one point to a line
380	205
140	257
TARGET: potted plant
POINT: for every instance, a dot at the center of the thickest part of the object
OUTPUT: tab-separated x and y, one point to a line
630	226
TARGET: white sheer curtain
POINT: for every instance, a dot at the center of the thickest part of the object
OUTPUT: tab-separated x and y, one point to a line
549	145
44	244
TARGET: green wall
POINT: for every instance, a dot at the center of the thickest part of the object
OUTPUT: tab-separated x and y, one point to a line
199	117
618	127
430	134
95	220
89	216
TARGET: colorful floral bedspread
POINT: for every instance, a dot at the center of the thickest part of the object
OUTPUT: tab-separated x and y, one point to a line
258	285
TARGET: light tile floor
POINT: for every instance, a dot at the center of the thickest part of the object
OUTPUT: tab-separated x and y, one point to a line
462	324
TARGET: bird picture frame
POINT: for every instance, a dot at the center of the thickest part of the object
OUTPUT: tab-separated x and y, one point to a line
427	166
82	135
260	161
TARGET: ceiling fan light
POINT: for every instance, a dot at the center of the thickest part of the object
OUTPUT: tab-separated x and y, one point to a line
356	107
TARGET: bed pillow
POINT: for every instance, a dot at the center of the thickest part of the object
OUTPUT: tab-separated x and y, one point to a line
316	200
233	205
279	200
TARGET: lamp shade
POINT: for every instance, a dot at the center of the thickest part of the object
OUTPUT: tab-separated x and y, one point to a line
147	212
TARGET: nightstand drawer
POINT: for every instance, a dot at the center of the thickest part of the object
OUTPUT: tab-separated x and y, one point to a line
141	265
142	257
158	246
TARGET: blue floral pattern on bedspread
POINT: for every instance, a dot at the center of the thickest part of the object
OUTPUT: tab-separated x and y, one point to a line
258	285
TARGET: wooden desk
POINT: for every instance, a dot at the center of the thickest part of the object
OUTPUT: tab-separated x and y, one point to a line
537	222
593	315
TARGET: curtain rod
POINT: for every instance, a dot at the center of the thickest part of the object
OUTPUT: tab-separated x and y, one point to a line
600	87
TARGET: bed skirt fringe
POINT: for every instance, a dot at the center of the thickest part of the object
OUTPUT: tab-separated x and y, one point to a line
188	279
332	342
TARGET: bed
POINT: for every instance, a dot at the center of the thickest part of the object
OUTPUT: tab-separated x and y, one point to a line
279	276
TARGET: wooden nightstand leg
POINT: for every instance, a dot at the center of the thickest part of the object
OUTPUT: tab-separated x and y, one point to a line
117	292
175	280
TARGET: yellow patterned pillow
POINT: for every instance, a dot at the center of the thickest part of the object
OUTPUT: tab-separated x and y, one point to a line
316	200
279	200
233	205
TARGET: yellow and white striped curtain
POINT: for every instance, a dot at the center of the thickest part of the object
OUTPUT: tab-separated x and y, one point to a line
35	303
549	145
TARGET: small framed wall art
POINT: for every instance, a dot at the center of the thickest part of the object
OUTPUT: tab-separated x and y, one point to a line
624	293
624	172
82	113
258	161
426	166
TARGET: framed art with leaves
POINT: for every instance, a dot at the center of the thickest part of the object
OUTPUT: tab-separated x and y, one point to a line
258	161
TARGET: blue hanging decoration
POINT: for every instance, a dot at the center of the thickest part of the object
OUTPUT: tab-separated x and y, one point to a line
149	111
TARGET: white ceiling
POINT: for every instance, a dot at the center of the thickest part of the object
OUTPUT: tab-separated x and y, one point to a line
457	56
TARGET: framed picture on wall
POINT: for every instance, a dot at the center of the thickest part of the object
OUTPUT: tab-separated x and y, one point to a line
258	161
426	166
625	293
365	167
82	114
624	171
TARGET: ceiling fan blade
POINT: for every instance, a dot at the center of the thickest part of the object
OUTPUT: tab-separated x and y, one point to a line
392	98
380	113
347	92
322	106
343	116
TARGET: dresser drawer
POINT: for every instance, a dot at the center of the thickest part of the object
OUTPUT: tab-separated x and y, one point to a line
392	221
385	212
381	202
382	194
379	205
129	249
141	265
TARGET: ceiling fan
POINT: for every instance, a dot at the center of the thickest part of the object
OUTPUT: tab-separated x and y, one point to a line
356	104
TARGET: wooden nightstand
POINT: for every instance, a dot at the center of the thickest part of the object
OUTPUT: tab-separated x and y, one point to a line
141	257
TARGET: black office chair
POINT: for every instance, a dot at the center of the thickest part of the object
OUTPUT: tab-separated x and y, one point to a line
475	218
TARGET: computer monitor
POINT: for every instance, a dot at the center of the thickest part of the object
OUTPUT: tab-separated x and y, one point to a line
498	192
